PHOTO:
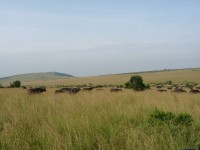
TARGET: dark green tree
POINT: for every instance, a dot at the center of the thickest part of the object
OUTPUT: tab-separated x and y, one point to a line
15	84
136	82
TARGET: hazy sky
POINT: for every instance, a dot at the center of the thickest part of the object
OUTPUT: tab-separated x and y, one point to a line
95	37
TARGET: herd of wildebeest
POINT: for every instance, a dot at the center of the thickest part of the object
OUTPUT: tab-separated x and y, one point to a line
74	90
70	90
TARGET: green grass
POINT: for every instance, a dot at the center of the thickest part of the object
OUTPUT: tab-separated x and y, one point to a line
95	120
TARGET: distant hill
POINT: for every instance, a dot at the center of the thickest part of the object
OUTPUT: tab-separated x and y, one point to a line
34	77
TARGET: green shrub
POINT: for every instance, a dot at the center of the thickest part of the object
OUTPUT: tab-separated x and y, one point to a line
128	85
136	82
184	119
159	117
147	86
15	84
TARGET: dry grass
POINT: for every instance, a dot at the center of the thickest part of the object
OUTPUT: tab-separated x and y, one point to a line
98	119
94	120
175	76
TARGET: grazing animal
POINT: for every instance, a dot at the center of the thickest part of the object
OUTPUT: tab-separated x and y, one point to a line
74	90
194	91
115	89
169	87
59	91
178	89
88	88
70	90
66	89
161	90
37	90
98	86
197	87
159	86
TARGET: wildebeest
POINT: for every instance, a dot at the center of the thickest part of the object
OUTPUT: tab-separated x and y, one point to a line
197	87
178	89
88	88
194	91
169	87
159	86
98	86
70	90
65	89
73	90
115	89
37	90
161	90
59	91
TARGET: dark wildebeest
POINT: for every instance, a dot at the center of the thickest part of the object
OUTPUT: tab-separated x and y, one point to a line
115	89
194	91
98	86
74	90
63	90
161	90
37	90
169	87
70	90
88	88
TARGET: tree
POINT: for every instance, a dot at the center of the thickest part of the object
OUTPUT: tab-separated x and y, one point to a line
15	84
136	82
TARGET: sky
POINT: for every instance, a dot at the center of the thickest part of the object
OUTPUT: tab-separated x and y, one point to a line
98	37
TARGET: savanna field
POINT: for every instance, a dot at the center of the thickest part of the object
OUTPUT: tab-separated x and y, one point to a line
100	119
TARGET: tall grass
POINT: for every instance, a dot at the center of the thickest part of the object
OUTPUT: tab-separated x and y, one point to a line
94	120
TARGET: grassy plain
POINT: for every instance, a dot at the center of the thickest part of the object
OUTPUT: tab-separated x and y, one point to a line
98	119
34	77
95	120
182	75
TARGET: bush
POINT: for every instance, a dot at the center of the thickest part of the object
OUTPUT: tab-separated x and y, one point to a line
159	117
184	119
128	85
15	84
147	86
137	83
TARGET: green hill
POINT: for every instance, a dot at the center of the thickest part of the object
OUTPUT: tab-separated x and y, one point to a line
34	77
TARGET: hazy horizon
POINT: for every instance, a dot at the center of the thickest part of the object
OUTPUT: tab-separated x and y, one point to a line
88	38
